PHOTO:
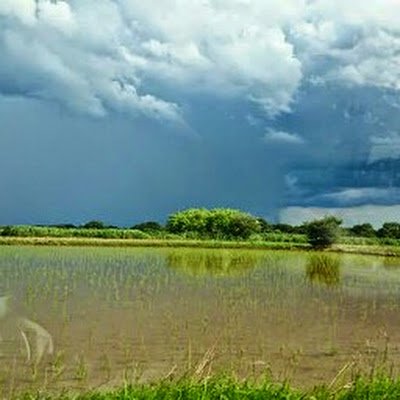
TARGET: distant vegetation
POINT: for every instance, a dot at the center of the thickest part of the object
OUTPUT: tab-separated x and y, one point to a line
223	224
50	231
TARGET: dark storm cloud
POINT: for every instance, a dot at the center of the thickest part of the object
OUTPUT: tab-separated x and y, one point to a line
351	148
245	103
71	169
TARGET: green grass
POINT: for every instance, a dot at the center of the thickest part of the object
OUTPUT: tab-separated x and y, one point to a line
226	388
376	250
352	240
381	250
43	231
115	233
103	242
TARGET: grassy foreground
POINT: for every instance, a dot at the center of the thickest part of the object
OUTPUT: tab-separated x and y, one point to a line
224	389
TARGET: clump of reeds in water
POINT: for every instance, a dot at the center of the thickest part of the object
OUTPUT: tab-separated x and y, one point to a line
323	268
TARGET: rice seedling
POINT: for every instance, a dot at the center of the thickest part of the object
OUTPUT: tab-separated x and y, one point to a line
148	312
81	368
57	366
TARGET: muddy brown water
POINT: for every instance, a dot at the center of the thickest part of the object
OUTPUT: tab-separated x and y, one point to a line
123	315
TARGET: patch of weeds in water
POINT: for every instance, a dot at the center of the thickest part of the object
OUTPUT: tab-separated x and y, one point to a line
81	369
291	359
132	372
323	269
58	365
105	366
331	351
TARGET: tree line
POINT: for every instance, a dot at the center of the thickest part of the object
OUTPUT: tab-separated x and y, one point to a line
232	224
225	223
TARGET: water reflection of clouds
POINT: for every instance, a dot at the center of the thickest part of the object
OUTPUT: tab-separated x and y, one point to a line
36	340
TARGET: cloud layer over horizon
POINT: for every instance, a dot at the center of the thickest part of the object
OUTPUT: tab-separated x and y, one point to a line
295	103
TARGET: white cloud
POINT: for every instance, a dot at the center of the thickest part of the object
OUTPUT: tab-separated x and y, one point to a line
361	43
366	195
22	10
385	147
275	136
374	214
73	54
253	50
57	15
224	48
375	61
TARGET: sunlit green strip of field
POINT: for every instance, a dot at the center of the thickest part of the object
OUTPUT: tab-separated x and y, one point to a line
221	388
380	250
206	244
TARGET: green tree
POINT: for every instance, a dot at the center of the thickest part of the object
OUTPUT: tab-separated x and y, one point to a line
94	225
283	228
363	230
218	223
148	226
265	226
226	223
390	230
323	232
190	220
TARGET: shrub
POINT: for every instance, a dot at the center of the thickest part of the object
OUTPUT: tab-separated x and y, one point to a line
148	226
94	225
41	231
285	237
219	223
323	232
363	230
283	228
390	230
191	220
265	226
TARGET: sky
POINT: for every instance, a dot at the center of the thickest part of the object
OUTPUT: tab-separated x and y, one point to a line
129	110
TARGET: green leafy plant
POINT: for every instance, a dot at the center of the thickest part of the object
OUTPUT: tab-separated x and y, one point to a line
324	232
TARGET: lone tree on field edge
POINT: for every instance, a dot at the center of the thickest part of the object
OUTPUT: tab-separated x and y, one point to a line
323	232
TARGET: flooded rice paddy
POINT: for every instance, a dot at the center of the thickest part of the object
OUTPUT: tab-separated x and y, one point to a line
97	317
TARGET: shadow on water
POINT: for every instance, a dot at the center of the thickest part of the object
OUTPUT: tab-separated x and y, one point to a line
323	269
211	263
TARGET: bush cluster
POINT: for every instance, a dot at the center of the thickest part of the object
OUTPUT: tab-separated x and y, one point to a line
218	223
